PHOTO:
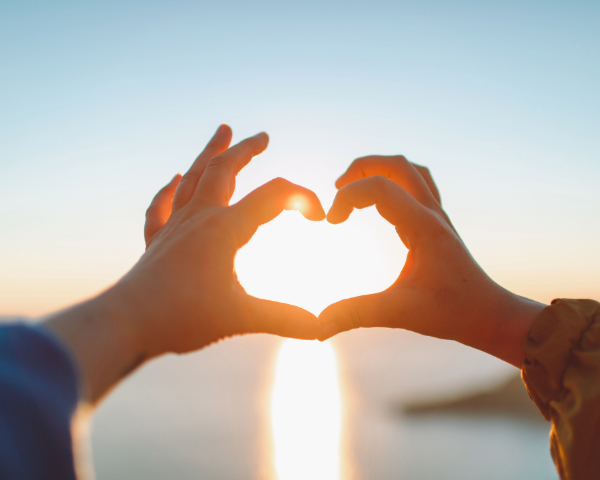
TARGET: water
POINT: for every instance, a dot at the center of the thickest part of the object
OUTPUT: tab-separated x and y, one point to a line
207	415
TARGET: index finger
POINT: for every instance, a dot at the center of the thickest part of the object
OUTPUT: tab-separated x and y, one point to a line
395	204
268	201
396	168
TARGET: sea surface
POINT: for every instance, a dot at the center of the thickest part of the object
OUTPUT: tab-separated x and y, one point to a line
206	415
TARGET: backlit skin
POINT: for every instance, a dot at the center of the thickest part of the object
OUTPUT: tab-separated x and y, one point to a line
441	291
183	293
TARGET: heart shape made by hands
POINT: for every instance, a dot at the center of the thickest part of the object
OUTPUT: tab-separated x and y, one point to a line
315	264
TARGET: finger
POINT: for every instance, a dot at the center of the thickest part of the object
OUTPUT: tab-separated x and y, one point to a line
217	144
218	182
424	171
281	319
393	203
396	168
378	310
159	210
268	201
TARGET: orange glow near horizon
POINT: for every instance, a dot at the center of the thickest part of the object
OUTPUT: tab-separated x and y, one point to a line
306	412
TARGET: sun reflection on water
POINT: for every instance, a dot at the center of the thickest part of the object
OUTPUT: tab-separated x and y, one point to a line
306	412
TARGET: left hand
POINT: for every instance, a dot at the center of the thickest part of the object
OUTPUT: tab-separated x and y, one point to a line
183	293
186	278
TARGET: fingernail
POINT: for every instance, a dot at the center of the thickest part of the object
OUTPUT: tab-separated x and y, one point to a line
330	330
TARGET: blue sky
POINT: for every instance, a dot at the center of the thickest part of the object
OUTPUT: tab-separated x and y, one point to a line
100	104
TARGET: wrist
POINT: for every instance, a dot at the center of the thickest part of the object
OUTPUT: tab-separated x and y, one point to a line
130	310
504	324
101	340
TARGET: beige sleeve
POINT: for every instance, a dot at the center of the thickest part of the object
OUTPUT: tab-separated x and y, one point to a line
562	374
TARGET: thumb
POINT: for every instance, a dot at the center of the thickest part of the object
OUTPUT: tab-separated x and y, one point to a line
281	319
377	310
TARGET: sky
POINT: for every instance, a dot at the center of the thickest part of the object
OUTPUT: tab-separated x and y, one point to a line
101	104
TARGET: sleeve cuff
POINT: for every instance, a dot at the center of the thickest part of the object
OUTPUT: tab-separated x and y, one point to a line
560	328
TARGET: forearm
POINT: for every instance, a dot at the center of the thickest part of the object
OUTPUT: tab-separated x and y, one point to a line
102	340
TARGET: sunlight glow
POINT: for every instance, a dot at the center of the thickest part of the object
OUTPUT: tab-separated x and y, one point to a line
306	412
296	202
314	264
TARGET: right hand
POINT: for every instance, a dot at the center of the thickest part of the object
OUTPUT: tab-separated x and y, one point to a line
441	291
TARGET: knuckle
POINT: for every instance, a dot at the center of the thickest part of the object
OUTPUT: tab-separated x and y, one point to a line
279	183
363	163
218	223
220	226
359	162
423	170
379	182
190	177
401	160
218	161
437	228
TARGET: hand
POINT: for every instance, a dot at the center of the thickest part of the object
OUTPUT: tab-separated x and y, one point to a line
187	279
183	293
441	291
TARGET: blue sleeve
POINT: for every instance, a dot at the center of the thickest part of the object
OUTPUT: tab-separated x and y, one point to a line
38	397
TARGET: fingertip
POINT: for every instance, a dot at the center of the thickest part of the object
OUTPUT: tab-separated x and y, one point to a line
260	143
316	214
329	330
223	134
340	182
331	218
223	129
262	136
304	201
339	317
307	327
335	217
320	214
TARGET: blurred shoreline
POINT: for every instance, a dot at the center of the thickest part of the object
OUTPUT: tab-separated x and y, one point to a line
508	399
